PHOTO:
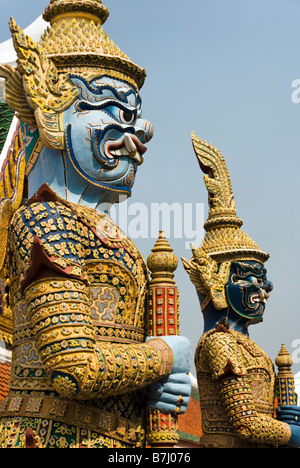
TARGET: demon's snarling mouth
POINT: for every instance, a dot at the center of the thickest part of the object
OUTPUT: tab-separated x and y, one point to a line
129	145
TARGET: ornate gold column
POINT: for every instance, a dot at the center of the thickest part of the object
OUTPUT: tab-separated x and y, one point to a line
163	307
285	385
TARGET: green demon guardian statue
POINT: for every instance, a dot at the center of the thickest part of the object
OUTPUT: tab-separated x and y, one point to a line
236	378
83	368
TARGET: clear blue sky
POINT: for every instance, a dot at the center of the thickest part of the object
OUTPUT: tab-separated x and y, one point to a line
225	70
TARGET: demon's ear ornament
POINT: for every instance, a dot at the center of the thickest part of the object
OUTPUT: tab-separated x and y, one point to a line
224	241
35	90
38	95
209	279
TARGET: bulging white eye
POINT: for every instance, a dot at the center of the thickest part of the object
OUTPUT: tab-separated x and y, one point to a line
255	280
126	117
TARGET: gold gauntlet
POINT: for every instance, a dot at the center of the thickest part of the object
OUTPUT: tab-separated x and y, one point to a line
79	366
246	422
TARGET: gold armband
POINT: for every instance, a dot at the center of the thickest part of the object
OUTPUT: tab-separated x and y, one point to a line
79	366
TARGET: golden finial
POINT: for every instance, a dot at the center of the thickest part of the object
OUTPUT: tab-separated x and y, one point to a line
162	262
89	8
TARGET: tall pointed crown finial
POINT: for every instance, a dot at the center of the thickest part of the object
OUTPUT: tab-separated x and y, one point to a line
284	361
224	239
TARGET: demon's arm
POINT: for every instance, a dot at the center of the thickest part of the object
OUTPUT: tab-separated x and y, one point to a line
243	416
80	367
227	361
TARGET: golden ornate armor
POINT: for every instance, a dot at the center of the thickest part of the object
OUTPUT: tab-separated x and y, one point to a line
236	382
79	330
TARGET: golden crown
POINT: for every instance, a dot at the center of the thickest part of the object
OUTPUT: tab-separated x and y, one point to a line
38	88
75	39
224	240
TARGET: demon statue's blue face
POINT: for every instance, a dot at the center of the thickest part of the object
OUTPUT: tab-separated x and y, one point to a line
246	293
105	141
106	135
247	290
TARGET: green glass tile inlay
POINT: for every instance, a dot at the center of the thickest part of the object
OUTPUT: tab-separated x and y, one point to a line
6	116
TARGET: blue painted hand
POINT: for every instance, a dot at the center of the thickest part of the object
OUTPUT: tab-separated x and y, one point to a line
173	393
291	416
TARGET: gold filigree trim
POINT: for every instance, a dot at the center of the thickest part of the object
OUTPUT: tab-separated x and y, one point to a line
73	413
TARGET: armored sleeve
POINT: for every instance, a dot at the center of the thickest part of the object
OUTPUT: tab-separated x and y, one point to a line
228	365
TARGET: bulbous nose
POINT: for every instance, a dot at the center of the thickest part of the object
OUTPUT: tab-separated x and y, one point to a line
268	286
144	130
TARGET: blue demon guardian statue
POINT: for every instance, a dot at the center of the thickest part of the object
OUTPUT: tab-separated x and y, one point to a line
236	378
